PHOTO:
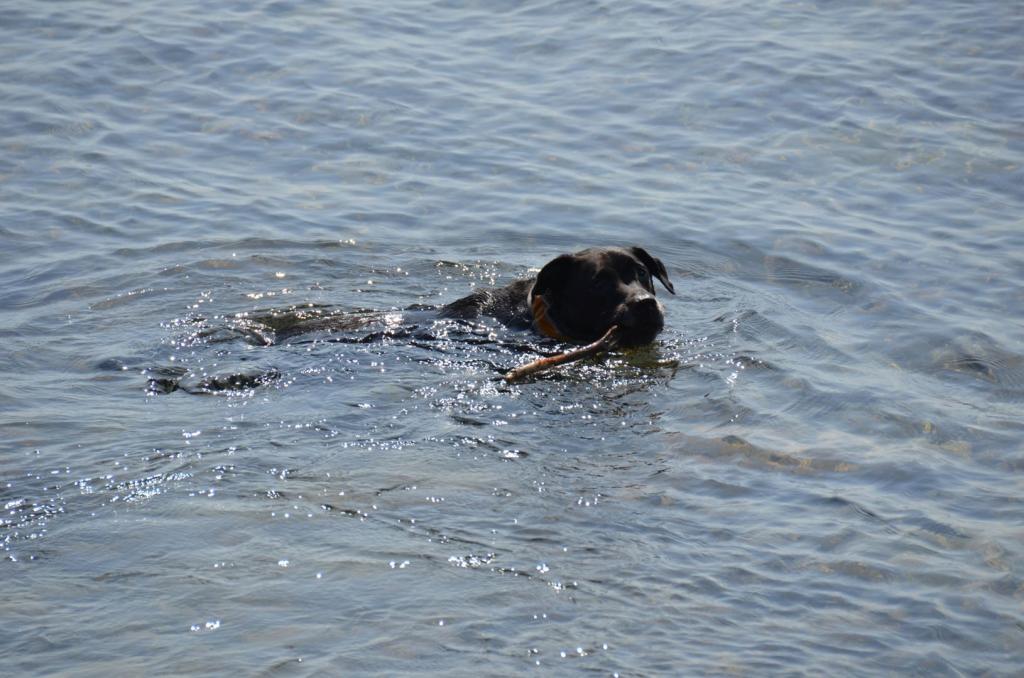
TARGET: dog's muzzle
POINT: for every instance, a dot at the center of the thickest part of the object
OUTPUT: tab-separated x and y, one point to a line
640	320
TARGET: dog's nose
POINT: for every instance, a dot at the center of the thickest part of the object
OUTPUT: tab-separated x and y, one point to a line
644	311
639	320
641	312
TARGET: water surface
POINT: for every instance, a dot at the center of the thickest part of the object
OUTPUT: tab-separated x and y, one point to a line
816	469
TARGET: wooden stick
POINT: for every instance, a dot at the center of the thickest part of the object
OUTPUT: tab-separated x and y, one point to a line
605	343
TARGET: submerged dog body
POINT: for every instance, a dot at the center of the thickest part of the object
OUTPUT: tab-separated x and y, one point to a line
577	297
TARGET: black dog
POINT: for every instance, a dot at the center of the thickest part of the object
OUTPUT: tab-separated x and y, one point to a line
577	297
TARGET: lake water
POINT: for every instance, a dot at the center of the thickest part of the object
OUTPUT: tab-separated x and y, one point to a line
817	469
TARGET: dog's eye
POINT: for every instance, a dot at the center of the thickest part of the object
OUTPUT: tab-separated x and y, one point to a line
643	276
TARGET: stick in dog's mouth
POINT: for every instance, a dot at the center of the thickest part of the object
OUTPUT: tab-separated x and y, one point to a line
606	343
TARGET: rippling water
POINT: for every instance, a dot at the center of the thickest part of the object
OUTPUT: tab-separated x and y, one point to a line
816	469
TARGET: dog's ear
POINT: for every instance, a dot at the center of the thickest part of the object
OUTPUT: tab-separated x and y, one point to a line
553	275
656	268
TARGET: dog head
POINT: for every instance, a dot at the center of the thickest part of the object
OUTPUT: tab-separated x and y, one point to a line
577	297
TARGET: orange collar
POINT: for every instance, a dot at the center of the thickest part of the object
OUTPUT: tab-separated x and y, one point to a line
542	321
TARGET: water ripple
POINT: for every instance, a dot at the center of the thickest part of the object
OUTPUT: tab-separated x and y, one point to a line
227	401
